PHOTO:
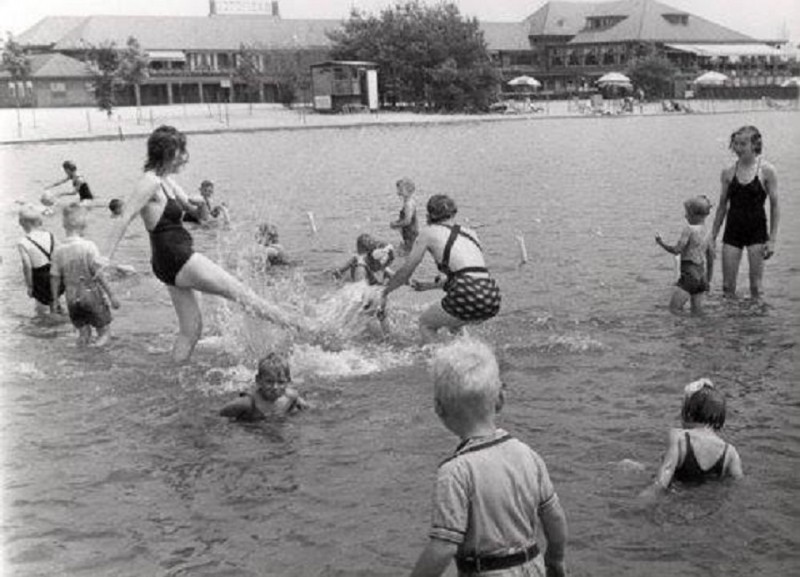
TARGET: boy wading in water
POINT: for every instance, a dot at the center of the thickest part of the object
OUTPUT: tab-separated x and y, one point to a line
494	490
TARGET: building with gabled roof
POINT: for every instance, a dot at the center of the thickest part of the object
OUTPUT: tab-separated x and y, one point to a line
565	45
54	80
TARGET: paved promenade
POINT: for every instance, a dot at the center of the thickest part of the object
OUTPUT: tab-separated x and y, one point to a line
65	124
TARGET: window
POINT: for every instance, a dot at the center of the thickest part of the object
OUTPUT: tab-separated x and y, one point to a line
602	22
58	88
677	19
608	56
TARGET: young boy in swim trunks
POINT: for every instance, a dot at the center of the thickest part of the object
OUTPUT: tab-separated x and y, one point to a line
696	251
271	395
491	494
35	252
696	453
407	220
76	264
79	185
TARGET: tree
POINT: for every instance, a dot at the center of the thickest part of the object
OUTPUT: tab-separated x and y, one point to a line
248	71
654	75
16	61
103	63
133	67
428	56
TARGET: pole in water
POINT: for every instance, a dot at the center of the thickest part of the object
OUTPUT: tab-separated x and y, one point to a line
88	122
523	250
312	222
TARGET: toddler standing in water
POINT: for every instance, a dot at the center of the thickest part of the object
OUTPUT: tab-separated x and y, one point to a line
491	494
696	251
76	263
272	393
407	221
696	452
35	251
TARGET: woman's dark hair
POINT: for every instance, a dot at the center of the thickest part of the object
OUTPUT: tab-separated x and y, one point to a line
705	407
755	138
163	146
69	165
440	208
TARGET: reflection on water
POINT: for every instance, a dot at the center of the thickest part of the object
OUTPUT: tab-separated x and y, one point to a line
117	463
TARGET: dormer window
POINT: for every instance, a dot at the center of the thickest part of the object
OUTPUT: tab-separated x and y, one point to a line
677	19
602	22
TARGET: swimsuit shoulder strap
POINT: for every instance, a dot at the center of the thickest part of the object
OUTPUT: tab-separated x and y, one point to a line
448	246
37	245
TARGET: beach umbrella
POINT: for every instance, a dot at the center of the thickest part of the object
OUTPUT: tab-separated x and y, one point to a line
793	81
711	78
614	79
524	81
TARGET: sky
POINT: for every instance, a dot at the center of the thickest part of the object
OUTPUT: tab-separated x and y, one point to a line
762	19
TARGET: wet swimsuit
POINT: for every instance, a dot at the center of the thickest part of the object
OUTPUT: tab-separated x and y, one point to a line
746	220
41	275
170	243
693	278
468	298
89	308
410	231
690	471
83	191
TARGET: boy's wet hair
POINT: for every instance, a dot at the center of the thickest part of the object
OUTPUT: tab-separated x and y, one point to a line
69	165
466	377
440	208
406	183
274	368
163	146
29	216
705	406
755	137
115	205
74	216
365	243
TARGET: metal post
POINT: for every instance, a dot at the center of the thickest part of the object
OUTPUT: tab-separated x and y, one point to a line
88	122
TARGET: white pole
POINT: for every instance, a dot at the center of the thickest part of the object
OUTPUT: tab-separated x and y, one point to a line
312	222
523	250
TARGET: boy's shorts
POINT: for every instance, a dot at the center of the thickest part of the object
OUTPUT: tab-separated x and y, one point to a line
90	308
693	278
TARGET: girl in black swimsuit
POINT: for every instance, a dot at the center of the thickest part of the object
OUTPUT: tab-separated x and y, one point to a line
745	188
161	204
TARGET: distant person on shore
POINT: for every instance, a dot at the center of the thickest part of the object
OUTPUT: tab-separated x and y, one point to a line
116	206
79	184
204	211
272	393
471	294
161	202
407	220
745	187
370	263
76	265
696	453
36	251
696	251
493	492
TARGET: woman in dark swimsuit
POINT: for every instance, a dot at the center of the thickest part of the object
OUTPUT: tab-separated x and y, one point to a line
471	294
161	204
745	187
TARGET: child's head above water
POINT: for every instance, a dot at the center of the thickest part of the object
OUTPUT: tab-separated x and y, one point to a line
74	217
703	404
748	132
206	189
29	217
69	166
115	206
273	376
405	187
267	234
466	380
365	243
697	208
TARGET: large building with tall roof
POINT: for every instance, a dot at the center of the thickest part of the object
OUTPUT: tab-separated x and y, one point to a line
566	45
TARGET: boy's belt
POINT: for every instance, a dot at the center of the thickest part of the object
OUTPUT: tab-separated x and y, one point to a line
495	563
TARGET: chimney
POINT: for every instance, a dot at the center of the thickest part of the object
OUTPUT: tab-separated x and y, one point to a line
276	13
212	8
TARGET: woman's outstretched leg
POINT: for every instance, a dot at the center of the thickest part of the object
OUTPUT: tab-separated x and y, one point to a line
202	274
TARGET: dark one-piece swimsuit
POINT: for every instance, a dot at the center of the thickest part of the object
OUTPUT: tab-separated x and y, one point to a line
170	243
468	298
747	219
84	192
690	471
41	275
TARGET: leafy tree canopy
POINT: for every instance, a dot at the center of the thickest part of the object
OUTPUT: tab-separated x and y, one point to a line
653	74
15	59
428	56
